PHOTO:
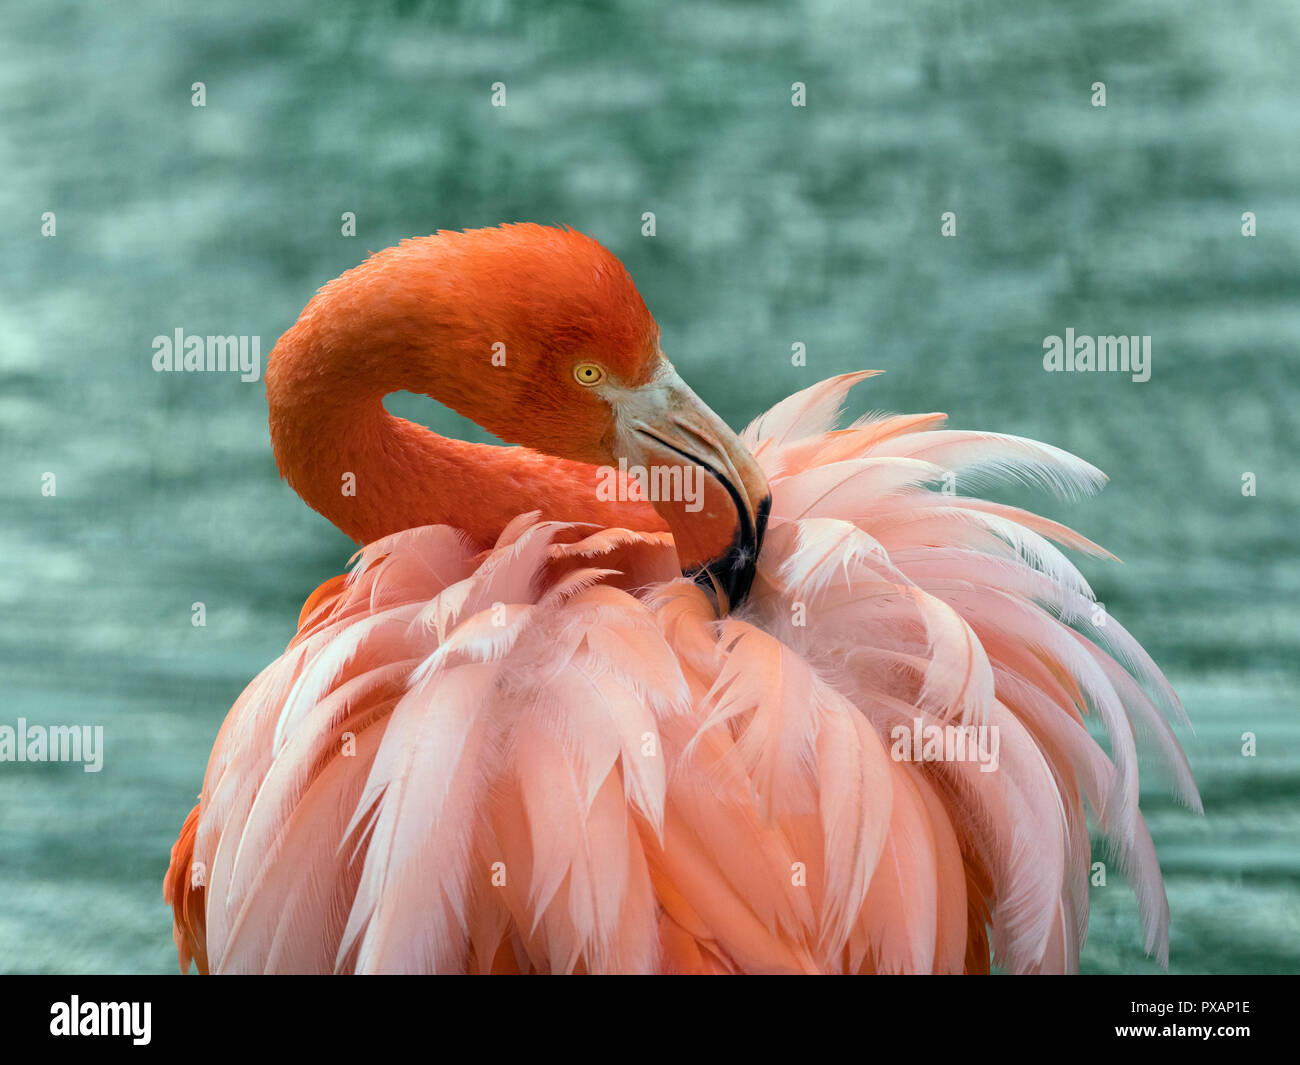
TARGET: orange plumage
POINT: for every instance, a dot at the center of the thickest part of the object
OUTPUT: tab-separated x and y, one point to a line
516	739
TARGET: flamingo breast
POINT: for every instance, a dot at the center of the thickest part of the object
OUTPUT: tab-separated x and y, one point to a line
553	756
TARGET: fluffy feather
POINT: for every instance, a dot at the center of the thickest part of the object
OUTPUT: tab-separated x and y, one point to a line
550	756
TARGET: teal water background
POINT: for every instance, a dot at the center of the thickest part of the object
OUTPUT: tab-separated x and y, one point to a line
775	225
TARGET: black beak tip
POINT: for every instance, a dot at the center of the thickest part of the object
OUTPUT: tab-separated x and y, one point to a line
733	572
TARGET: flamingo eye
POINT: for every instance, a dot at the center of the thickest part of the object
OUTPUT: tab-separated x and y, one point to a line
588	373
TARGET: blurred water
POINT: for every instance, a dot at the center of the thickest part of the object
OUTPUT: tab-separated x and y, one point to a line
775	225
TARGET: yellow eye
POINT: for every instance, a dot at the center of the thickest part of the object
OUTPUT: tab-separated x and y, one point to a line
588	373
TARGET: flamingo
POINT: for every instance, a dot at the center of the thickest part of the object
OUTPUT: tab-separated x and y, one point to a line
537	729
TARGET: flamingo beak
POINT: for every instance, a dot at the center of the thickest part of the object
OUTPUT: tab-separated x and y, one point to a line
701	479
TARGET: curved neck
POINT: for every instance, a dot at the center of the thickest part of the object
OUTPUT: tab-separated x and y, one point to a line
373	474
414	318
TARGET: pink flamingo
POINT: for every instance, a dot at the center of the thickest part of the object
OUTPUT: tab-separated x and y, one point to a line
515	738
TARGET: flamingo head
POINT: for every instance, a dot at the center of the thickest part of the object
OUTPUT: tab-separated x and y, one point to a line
555	350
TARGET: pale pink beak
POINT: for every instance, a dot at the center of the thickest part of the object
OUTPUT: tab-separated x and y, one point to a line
716	500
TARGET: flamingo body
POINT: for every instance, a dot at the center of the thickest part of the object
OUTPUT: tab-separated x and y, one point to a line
549	751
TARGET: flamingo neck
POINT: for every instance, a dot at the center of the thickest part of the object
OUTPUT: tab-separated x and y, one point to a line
373	474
